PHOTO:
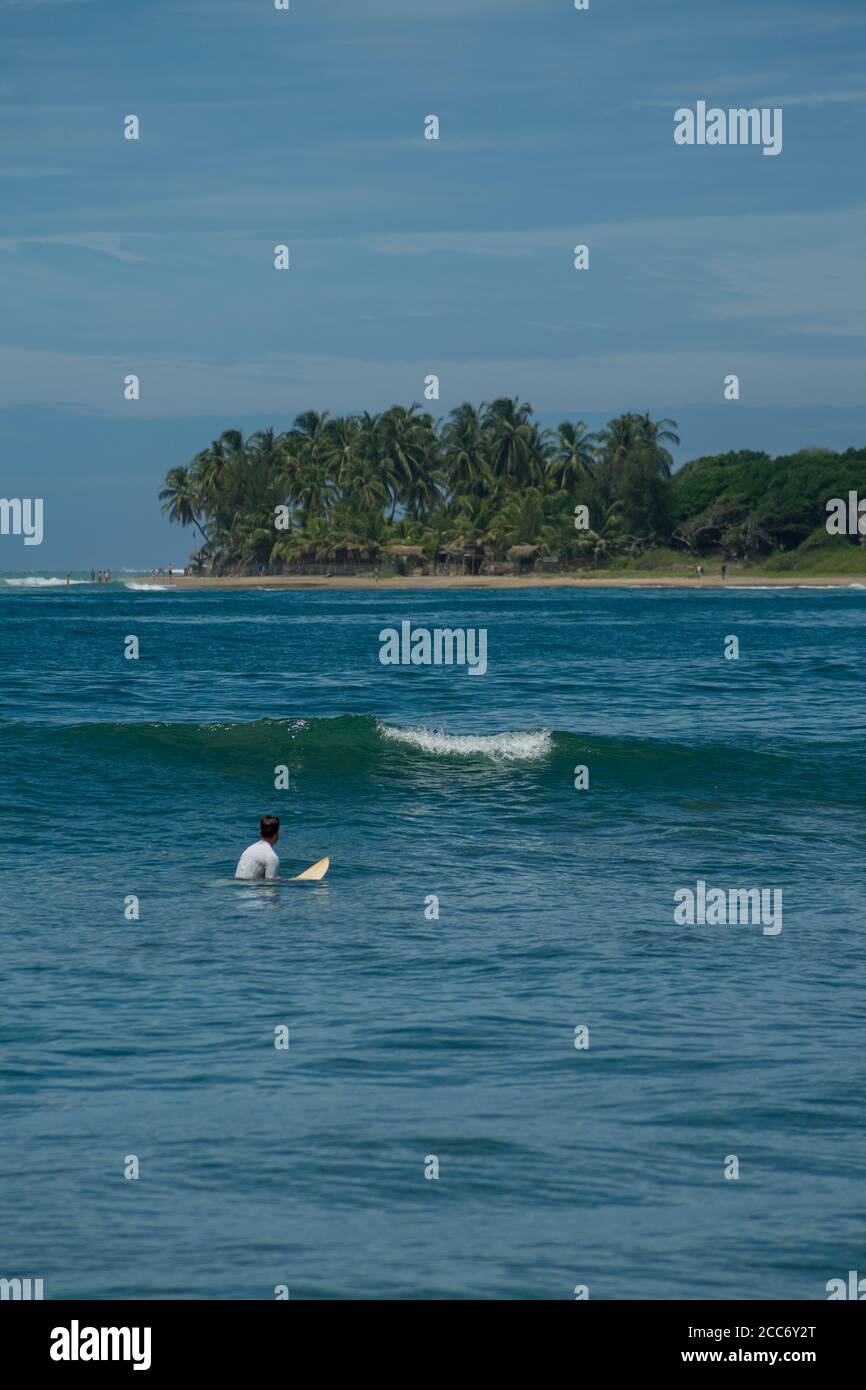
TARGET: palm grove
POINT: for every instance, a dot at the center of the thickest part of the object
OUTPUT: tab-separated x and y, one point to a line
400	486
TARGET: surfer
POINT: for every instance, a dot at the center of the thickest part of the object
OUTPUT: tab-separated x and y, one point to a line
259	860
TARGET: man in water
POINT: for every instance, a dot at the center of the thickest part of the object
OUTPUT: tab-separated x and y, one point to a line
259	860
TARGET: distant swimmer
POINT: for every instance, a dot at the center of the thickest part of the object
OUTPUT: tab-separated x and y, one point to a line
259	861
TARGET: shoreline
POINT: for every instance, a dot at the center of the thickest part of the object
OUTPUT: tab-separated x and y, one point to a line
497	581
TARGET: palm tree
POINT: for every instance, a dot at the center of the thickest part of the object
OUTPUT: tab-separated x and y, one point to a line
521	520
464	453
180	499
572	464
364	527
208	468
317	538
269	449
313	489
404	441
617	442
253	541
365	487
516	448
339	441
309	426
605	539
476	521
655	434
506	408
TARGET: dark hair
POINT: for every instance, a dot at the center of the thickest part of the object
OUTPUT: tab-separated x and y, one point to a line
268	827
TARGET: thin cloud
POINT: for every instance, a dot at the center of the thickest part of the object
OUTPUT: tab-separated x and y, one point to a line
104	243
803	99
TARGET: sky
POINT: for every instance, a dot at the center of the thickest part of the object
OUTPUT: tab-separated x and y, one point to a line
409	256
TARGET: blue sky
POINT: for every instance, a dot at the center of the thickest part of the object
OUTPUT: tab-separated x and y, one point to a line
411	256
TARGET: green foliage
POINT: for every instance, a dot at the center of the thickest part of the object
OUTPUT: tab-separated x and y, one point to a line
820	554
749	504
490	478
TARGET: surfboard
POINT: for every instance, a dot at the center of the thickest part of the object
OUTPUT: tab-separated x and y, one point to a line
313	873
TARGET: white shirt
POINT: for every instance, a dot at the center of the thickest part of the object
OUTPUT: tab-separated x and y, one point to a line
258	861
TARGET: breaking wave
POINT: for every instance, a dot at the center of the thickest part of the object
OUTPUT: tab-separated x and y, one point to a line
37	582
505	747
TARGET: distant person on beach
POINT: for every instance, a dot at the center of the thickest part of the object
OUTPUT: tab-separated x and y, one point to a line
724	571
93	576
259	860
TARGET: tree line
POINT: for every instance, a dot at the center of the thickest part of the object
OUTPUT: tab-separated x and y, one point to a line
486	478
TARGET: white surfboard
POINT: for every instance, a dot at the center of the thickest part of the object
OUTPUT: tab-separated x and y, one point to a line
314	873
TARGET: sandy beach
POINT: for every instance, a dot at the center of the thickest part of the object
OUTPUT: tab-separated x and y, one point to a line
499	581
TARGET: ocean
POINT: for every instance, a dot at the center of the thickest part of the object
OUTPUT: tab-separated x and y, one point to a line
490	982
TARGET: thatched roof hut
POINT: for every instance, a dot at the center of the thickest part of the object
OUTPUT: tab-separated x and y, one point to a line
406	557
469	553
405	552
523	557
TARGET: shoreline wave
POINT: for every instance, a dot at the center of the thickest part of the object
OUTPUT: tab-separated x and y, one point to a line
37	582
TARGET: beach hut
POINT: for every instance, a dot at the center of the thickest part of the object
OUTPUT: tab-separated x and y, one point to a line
346	557
523	558
406	557
469	556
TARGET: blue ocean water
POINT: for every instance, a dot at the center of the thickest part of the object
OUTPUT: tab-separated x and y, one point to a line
411	1036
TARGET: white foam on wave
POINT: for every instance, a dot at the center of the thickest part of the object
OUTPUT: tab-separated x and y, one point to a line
506	747
37	582
148	588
